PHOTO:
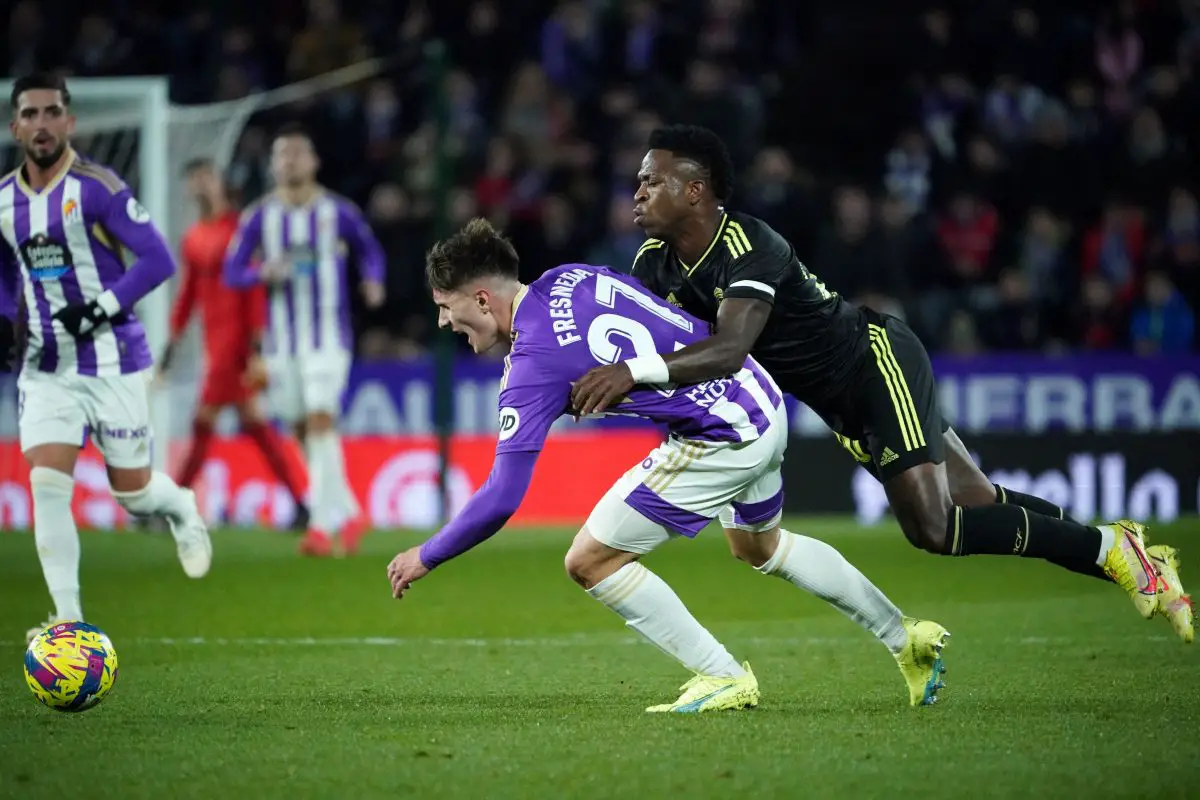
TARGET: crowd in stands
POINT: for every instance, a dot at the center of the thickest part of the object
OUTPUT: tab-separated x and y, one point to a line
1006	176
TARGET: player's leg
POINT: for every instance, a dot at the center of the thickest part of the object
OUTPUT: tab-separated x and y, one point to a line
334	506
52	427
118	413
909	451
285	394
603	560
271	445
970	487
202	433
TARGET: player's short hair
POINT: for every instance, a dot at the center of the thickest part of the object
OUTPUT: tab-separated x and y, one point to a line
197	164
39	80
476	251
292	130
701	145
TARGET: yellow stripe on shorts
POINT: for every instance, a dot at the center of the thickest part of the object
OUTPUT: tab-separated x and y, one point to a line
893	376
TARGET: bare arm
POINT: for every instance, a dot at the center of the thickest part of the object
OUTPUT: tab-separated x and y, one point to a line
740	320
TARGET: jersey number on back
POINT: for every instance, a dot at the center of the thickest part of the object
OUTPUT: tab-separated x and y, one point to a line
600	332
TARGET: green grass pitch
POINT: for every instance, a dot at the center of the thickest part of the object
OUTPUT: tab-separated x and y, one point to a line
497	677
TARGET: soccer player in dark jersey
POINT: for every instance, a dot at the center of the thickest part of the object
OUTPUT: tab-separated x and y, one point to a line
866	374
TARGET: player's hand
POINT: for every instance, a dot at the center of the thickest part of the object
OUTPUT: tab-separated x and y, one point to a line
82	319
255	376
600	388
405	570
275	271
164	363
373	294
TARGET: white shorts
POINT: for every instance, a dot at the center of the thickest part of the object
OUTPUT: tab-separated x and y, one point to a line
683	485
66	409
312	383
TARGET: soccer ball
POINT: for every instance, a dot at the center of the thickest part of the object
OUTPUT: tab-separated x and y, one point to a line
70	666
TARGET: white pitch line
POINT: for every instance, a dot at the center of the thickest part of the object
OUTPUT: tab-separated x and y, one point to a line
586	640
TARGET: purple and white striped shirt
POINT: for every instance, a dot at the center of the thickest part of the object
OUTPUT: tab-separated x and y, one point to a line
81	236
576	317
310	313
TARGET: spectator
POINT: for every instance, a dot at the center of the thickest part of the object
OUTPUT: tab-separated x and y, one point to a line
1163	324
1113	248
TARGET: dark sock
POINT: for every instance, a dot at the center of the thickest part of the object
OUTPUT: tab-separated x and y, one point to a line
1006	530
202	433
1046	508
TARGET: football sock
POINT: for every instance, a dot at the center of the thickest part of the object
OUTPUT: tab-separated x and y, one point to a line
1001	529
160	497
347	502
202	433
650	607
819	569
1092	567
57	539
323	455
270	444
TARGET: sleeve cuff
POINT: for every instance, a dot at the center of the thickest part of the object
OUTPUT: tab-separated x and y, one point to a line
649	369
109	303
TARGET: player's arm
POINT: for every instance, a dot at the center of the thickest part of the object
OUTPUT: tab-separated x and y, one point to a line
127	221
238	270
367	250
527	410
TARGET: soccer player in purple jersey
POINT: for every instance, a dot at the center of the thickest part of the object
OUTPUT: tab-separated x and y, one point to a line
79	251
296	240
721	459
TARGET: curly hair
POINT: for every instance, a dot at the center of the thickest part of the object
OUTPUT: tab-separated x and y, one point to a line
477	251
701	145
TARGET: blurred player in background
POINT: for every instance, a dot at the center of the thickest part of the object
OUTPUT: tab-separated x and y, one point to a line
66	224
233	323
721	459
297	241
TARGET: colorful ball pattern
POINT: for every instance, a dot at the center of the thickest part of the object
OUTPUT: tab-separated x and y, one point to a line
71	666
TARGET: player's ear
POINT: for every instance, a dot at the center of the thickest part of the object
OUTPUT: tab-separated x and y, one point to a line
70	123
694	191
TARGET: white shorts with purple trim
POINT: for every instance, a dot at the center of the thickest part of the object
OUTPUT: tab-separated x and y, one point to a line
68	408
684	484
310	383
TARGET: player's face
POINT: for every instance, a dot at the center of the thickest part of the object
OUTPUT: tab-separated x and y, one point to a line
43	126
293	161
663	194
469	312
203	185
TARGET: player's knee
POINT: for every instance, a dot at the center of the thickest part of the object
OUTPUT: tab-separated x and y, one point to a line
319	422
126	483
755	549
925	527
589	561
57	457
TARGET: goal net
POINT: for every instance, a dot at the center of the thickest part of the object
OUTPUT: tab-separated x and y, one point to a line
130	125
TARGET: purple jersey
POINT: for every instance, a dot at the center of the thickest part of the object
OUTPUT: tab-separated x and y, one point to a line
576	317
83	235
311	312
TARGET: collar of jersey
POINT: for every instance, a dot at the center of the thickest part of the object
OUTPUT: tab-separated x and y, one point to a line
716	238
52	185
516	303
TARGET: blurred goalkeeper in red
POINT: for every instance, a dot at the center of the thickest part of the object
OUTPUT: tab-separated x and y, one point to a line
232	321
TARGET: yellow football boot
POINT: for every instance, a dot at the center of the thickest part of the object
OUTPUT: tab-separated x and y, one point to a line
1128	564
921	660
1172	602
710	693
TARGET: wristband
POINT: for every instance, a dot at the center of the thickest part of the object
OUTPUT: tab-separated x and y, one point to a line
649	369
109	303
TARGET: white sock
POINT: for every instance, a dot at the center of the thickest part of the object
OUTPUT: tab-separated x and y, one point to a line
160	497
650	607
1108	537
57	538
821	570
348	503
324	456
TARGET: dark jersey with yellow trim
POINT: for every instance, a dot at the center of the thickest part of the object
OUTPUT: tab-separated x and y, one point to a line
814	340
